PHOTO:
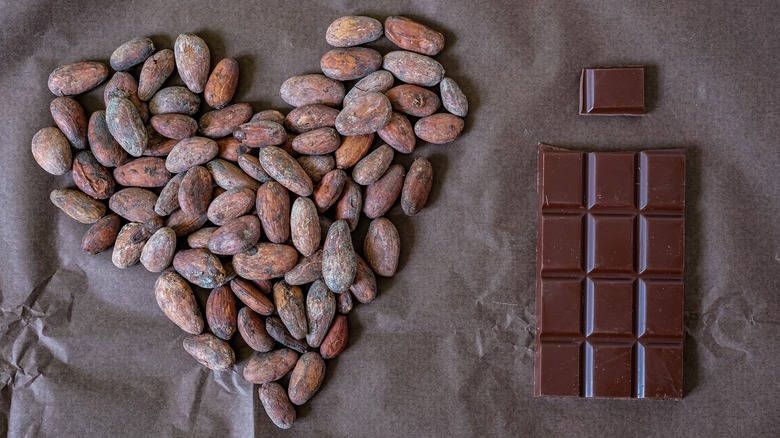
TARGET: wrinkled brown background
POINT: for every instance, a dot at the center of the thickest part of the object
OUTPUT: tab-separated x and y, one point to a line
447	348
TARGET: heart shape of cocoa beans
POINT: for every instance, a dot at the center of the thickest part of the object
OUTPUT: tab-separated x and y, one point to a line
266	202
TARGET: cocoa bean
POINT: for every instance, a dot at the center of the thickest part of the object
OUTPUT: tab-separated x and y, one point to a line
316	166
91	177
364	286
277	330
126	126
221	312
174	100
346	64
222	122
273	209
230	177
51	151
398	133
77	78
382	247
411	35
283	168
168	201
230	148
210	351
175	126
338	258
319	141
192	61
251	166
413	68
259	134
439	128
269	115
155	71
367	113
413	100
236	236
305	226
200	238
291	308
158	251
134	204
417	186
252	296
352	150
69	116
452	98
269	367
195	191
378	81
200	267
308	117
382	194
159	147
265	261
102	234
329	189
222	84
320	309
344	303
307	270
176	300
230	205
184	223
349	204
252	329
191	152
131	53
306	378
353	30
312	89
103	145
143	172
123	84
335	341
277	405
129	244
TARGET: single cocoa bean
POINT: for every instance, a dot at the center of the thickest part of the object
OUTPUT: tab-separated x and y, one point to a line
283	168
200	238
338	258
143	172
252	329
269	367
184	223
103	145
159	147
378	81
230	148
259	134
346	64
126	126
439	128
77	78
344	303
174	100
417	186
158	252
364	286
306	378
91	177
131	53
352	150
102	234
320	309
222	84
452	98
353	30
307	270
155	71
305	226
349	204
335	341
51	151
273	209
252	167
230	205
191	152
265	261
221	312
382	194
129	244
277	405
134	204
168	201
308	117
175	126
200	267
413	100
382	247
398	133
123	84
277	330
222	122
291	308
176	300
236	236
229	176
192	61
312	89
329	189
316	166
195	191
364	115
269	115
252	296
210	351
411	35
70	118
413	68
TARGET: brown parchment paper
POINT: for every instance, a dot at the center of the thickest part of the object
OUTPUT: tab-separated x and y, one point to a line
447	347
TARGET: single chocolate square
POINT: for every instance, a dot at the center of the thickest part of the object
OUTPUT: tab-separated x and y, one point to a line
610	254
612	91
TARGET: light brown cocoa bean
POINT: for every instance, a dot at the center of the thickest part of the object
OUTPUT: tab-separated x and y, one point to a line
192	61
353	149
252	329
236	236
269	115
265	261
158	251
320	309
382	247
316	166
307	270
174	100
378	81
413	68
353	30
195	191
277	330
191	152
221	312
312	89
398	133
417	186
210	351
200	238
346	64
439	128
452	98
168	201
382	194
103	145
328	191
229	176
364	287
318	141
175	126
199	267
155	71
222	122
143	172
269	367
230	148
77	78
366	114
338	258
335	341
259	134
126	126
277	405
413	100
252	296
70	118
250	164
273	209
305	226
306	378
411	35
308	117
344	303
51	151
350	204
184	223
291	308
176	300
129	244
222	84
283	168
131	53
91	177
230	205
134	204
102	234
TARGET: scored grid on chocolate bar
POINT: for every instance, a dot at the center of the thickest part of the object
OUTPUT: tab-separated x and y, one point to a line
610	274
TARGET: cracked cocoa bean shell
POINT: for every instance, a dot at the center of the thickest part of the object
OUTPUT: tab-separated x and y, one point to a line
222	122
335	341
154	72
382	194
102	234
91	177
222	84
210	351
192	61
320	310
378	81
338	258
353	30
277	405
176	300
265	261
252	329
221	312
305	226
143	172
252	296
269	367
411	35
51	151
273	209
158	252
199	267
382	247
77	205
306	378
77	78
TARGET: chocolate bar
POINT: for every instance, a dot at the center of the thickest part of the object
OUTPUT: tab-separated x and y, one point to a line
614	91
610	258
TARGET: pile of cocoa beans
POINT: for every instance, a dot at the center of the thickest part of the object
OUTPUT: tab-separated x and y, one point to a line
255	206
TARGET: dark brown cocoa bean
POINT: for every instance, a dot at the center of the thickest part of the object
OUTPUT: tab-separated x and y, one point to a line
308	117
364	287
252	329
346	64
413	100
252	296
195	191
350	204
168	201
291	308
129	244
277	405
269	367
91	177
230	148
184	223
103	145
417	186
259	134
452	98
102	234
382	194
191	152
273	209
200	238
252	167
411	35
175	126
221	312
344	303
335	341
70	118
277	330
316	166
155	71
176	300
230	205
236	236
382	247
329	189
126	126
307	270
306	378
222	84
352	150
319	141
283	168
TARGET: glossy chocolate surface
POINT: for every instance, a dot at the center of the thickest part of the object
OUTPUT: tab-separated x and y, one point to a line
614	91
610	255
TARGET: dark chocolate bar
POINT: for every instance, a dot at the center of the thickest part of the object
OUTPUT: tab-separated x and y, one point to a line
613	91
610	254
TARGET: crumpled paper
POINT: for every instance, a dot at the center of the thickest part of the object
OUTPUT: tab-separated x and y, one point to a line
447	347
